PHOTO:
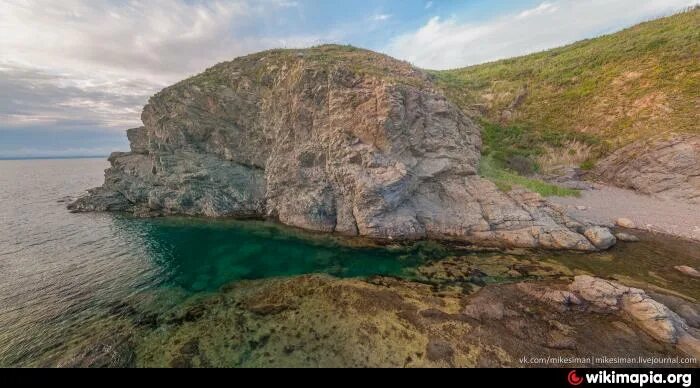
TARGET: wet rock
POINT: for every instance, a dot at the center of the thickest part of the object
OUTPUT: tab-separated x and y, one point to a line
439	350
651	316
481	309
560	298
561	342
355	323
689	311
186	354
626	237
603	294
625	223
656	319
690	271
112	352
600	237
267	309
435	314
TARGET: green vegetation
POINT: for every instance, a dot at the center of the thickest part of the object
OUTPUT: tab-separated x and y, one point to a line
505	179
600	93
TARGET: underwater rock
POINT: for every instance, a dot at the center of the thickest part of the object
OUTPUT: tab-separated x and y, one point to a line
654	318
387	322
690	271
626	237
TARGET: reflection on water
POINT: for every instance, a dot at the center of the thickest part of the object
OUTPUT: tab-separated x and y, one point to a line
66	278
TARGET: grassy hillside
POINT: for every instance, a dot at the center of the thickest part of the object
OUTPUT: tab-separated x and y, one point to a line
572	105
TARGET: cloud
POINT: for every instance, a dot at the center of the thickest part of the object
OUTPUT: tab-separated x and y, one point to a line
36	97
381	17
449	43
95	62
429	5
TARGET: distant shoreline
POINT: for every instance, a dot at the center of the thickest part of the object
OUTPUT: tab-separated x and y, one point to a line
53	157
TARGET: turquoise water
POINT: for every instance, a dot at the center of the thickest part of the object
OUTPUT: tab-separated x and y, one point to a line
62	272
199	255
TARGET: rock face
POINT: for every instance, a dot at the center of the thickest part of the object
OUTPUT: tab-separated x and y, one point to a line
332	139
656	319
668	167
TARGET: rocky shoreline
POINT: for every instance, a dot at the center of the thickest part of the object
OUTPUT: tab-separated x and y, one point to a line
441	318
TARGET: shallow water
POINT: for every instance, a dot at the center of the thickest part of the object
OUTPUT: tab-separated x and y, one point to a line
60	271
65	276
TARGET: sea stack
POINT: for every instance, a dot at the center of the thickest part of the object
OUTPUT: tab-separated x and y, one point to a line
331	139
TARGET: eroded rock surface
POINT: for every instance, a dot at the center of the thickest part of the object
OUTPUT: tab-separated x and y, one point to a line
668	167
383	322
330	139
653	317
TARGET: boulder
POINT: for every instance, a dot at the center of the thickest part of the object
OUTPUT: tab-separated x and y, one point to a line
600	237
625	223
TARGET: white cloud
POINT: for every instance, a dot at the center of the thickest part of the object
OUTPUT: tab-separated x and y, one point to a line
381	17
541	9
99	60
449	43
429	5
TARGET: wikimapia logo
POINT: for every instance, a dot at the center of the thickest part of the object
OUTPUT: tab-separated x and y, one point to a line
605	377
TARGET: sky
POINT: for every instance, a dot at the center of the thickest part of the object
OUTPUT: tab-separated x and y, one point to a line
74	74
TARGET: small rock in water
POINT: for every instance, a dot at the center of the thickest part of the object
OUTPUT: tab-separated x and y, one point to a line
690	271
600	237
580	207
626	237
625	223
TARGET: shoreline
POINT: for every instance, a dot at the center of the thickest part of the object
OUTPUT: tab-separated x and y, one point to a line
605	204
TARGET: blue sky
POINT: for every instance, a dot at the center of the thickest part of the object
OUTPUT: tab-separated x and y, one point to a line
75	74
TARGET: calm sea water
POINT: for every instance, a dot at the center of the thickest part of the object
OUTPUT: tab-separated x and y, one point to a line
66	277
60	271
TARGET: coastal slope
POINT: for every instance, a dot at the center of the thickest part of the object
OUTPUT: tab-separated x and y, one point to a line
624	108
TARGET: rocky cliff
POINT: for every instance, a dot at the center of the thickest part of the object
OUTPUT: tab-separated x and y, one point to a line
333	139
667	166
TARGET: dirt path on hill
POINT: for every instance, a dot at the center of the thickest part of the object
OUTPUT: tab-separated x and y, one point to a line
605	204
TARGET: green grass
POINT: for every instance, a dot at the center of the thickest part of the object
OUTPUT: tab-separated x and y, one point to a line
612	90
505	180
